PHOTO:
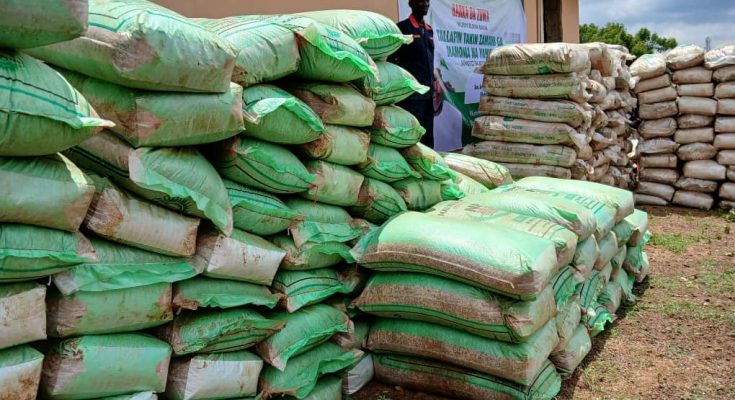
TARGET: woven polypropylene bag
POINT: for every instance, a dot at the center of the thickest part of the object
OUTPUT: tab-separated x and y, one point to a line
40	112
139	44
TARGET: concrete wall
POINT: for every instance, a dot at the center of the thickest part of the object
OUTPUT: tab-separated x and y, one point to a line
225	8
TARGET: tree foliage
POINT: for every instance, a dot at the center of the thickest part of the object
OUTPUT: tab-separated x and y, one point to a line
643	42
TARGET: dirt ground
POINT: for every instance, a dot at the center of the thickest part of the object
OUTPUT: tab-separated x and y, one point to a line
678	340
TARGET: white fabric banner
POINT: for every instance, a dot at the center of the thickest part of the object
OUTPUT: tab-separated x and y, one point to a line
465	32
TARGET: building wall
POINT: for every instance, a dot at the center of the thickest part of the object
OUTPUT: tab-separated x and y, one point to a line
570	20
225	8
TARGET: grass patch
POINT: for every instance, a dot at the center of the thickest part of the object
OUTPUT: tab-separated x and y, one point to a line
673	242
601	371
687	310
678	243
718	284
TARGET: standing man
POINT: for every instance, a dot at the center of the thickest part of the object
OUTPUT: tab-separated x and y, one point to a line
418	59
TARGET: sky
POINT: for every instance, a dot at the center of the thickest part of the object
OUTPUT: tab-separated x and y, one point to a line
688	21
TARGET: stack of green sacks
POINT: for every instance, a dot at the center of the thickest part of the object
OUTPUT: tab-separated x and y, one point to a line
293	177
44	196
157	214
497	302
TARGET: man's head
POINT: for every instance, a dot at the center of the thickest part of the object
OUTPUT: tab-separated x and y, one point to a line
419	8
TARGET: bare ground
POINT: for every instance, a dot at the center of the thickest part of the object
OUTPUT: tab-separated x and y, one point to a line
678	340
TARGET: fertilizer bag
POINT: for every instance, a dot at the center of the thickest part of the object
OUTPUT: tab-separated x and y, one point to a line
405	244
22	314
219	375
45	23
54	193
40	112
20	372
142	45
78	368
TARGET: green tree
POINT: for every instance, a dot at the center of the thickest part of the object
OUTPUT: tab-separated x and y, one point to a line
643	42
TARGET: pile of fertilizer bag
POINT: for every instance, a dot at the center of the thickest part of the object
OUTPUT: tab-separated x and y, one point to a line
185	202
558	110
687	103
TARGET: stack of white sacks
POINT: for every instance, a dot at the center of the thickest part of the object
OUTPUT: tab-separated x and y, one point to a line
557	110
685	153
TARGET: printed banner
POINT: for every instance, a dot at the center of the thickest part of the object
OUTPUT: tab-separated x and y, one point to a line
465	32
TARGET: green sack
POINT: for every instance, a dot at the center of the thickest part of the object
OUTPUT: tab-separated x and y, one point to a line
516	362
466	185
120	217
612	297
327	388
265	51
258	212
567	321
437	300
339	145
305	329
619	199
326	53
564	240
378	35
451	191
378	202
632	228
214	376
335	184
304	288
139	44
207	292
395	127
79	368
419	194
241	257
274	115
22	314
626	280
619	259
217	331
585	257
636	260
29	252
311	255
494	257
177	178
261	165
50	22
392	85
488	173
54	194
570	357
608	249
460	383
596	318
591	290
124	310
36	100
322	223
386	164
336	104
300	377
427	162
20	372
163	119
580	212
122	267
566	285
